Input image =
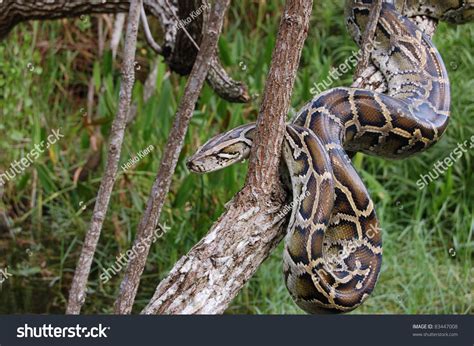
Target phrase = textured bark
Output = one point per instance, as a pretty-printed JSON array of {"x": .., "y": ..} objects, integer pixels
[
  {"x": 13, "y": 12},
  {"x": 224, "y": 86},
  {"x": 178, "y": 50},
  {"x": 207, "y": 279},
  {"x": 77, "y": 293},
  {"x": 161, "y": 186}
]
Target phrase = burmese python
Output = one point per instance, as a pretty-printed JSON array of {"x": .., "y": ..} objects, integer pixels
[{"x": 333, "y": 249}]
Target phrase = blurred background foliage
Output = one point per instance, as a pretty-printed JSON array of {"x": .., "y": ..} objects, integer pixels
[{"x": 45, "y": 70}]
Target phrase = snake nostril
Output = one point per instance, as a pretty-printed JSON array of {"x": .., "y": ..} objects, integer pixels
[{"x": 190, "y": 165}]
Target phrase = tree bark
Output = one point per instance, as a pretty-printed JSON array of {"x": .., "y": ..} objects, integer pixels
[
  {"x": 207, "y": 279},
  {"x": 168, "y": 12},
  {"x": 161, "y": 186},
  {"x": 77, "y": 293}
]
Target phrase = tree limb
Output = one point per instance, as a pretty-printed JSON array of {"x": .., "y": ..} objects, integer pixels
[
  {"x": 77, "y": 293},
  {"x": 212, "y": 273},
  {"x": 149, "y": 37},
  {"x": 187, "y": 39},
  {"x": 149, "y": 221},
  {"x": 117, "y": 33},
  {"x": 168, "y": 12},
  {"x": 223, "y": 84}
]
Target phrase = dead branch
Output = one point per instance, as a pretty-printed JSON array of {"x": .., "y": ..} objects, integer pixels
[
  {"x": 117, "y": 33},
  {"x": 170, "y": 13},
  {"x": 149, "y": 221},
  {"x": 224, "y": 85},
  {"x": 77, "y": 293},
  {"x": 149, "y": 37},
  {"x": 212, "y": 273}
]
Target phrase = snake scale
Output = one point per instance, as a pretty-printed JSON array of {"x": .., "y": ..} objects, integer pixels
[{"x": 333, "y": 245}]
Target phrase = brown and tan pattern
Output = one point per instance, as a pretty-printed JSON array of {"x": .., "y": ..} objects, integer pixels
[
  {"x": 452, "y": 11},
  {"x": 333, "y": 251}
]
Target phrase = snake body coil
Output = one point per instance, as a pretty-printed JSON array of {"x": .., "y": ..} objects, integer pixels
[{"x": 333, "y": 251}]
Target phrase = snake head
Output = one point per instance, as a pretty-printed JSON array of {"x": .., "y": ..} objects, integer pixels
[{"x": 223, "y": 150}]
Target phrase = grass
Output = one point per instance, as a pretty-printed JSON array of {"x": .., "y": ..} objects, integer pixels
[{"x": 427, "y": 234}]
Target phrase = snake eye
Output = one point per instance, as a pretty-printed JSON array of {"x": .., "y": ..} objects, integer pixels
[{"x": 228, "y": 156}]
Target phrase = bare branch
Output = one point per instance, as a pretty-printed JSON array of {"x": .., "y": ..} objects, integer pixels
[
  {"x": 149, "y": 221},
  {"x": 188, "y": 39},
  {"x": 224, "y": 86},
  {"x": 175, "y": 47},
  {"x": 77, "y": 293},
  {"x": 207, "y": 279},
  {"x": 117, "y": 33},
  {"x": 149, "y": 37}
]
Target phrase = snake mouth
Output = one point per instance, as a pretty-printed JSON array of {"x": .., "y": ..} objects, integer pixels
[
  {"x": 195, "y": 165},
  {"x": 192, "y": 166}
]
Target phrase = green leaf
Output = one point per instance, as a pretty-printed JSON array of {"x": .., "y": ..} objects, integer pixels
[
  {"x": 224, "y": 52},
  {"x": 184, "y": 192}
]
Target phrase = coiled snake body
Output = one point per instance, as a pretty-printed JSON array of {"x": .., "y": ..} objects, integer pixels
[{"x": 333, "y": 251}]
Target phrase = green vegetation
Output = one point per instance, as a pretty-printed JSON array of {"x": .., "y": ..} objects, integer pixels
[{"x": 45, "y": 70}]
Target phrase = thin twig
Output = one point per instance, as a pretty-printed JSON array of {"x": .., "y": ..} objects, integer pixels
[
  {"x": 77, "y": 293},
  {"x": 149, "y": 37},
  {"x": 161, "y": 186},
  {"x": 117, "y": 33}
]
